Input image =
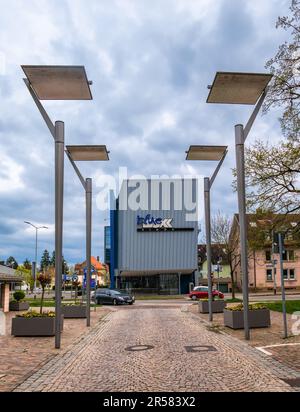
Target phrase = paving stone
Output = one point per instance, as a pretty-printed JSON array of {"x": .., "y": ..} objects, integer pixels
[{"x": 100, "y": 362}]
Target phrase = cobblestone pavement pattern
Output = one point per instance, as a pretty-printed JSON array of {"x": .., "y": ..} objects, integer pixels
[{"x": 100, "y": 361}]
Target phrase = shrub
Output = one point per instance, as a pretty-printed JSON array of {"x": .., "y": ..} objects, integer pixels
[
  {"x": 251, "y": 306},
  {"x": 37, "y": 315},
  {"x": 19, "y": 295}
]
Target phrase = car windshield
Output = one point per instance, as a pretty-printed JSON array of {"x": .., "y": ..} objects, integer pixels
[{"x": 116, "y": 292}]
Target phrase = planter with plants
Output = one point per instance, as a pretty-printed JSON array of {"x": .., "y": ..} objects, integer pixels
[
  {"x": 74, "y": 310},
  {"x": 218, "y": 305},
  {"x": 34, "y": 323},
  {"x": 259, "y": 316},
  {"x": 18, "y": 304}
]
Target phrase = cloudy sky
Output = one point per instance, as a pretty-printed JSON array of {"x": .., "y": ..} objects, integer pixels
[{"x": 150, "y": 62}]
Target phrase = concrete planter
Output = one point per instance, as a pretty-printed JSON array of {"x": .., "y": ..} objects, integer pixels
[
  {"x": 217, "y": 306},
  {"x": 18, "y": 306},
  {"x": 76, "y": 311},
  {"x": 257, "y": 318},
  {"x": 34, "y": 326}
]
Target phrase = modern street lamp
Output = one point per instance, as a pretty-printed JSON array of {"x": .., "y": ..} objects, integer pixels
[
  {"x": 87, "y": 153},
  {"x": 208, "y": 153},
  {"x": 248, "y": 89},
  {"x": 57, "y": 83},
  {"x": 36, "y": 248}
]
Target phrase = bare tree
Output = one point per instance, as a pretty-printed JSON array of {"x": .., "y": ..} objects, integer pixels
[
  {"x": 221, "y": 234},
  {"x": 272, "y": 174}
]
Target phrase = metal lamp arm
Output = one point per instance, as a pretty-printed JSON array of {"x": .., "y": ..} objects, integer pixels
[
  {"x": 212, "y": 179},
  {"x": 76, "y": 169},
  {"x": 255, "y": 113},
  {"x": 39, "y": 105}
]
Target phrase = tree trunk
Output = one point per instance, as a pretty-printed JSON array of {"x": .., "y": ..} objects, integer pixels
[
  {"x": 232, "y": 285},
  {"x": 42, "y": 300}
]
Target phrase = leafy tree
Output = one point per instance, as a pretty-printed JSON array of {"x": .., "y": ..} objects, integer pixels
[
  {"x": 284, "y": 89},
  {"x": 52, "y": 260},
  {"x": 45, "y": 260},
  {"x": 11, "y": 262},
  {"x": 272, "y": 174},
  {"x": 27, "y": 264},
  {"x": 27, "y": 276},
  {"x": 65, "y": 267},
  {"x": 45, "y": 280},
  {"x": 75, "y": 284},
  {"x": 272, "y": 171}
]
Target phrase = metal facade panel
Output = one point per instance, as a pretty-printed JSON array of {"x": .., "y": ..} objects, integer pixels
[{"x": 161, "y": 250}]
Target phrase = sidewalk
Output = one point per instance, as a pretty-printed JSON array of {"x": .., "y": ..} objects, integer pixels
[
  {"x": 288, "y": 355},
  {"x": 22, "y": 356}
]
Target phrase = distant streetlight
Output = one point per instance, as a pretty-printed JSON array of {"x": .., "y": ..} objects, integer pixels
[
  {"x": 36, "y": 248},
  {"x": 87, "y": 153},
  {"x": 208, "y": 153},
  {"x": 249, "y": 89},
  {"x": 57, "y": 83}
]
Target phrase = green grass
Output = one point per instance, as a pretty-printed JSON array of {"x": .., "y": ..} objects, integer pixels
[
  {"x": 158, "y": 297},
  {"x": 291, "y": 306},
  {"x": 235, "y": 300}
]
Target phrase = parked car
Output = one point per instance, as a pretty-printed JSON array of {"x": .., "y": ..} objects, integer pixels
[
  {"x": 201, "y": 292},
  {"x": 112, "y": 296}
]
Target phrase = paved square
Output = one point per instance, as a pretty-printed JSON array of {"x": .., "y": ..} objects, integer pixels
[{"x": 100, "y": 361}]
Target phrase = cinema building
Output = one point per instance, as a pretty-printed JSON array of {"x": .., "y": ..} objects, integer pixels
[{"x": 153, "y": 236}]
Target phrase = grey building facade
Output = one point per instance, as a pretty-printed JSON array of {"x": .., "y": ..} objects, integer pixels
[{"x": 154, "y": 233}]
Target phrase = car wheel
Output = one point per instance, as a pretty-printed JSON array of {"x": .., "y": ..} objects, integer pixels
[
  {"x": 98, "y": 302},
  {"x": 194, "y": 297},
  {"x": 131, "y": 303},
  {"x": 115, "y": 302}
]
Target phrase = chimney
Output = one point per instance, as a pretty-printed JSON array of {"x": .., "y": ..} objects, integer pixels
[{"x": 98, "y": 258}]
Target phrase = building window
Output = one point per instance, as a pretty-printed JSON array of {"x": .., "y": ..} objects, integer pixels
[
  {"x": 288, "y": 255},
  {"x": 268, "y": 255},
  {"x": 269, "y": 275},
  {"x": 289, "y": 274},
  {"x": 291, "y": 255}
]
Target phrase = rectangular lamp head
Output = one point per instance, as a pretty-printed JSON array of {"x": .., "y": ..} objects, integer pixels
[
  {"x": 88, "y": 153},
  {"x": 206, "y": 152},
  {"x": 238, "y": 88},
  {"x": 58, "y": 82}
]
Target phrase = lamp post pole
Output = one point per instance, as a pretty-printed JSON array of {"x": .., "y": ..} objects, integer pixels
[
  {"x": 59, "y": 192},
  {"x": 88, "y": 197},
  {"x": 34, "y": 263},
  {"x": 282, "y": 285},
  {"x": 216, "y": 153},
  {"x": 208, "y": 243},
  {"x": 87, "y": 153},
  {"x": 35, "y": 257},
  {"x": 240, "y": 171}
]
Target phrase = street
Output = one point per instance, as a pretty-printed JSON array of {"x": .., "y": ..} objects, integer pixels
[{"x": 162, "y": 348}]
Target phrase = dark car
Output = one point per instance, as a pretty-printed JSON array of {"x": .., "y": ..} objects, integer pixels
[{"x": 113, "y": 297}]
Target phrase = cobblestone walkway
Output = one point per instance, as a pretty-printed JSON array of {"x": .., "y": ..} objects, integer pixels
[{"x": 100, "y": 361}]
